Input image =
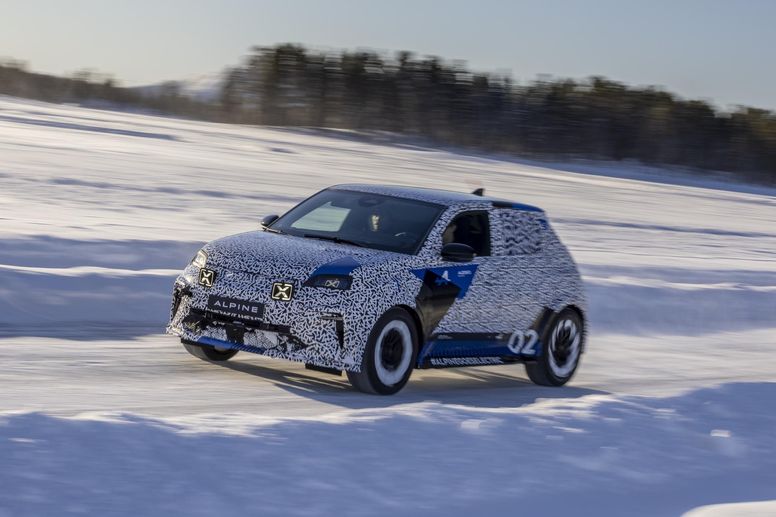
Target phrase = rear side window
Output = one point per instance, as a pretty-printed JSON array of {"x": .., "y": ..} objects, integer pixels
[{"x": 522, "y": 231}]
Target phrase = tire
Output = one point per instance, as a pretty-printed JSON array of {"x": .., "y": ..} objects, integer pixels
[
  {"x": 389, "y": 356},
  {"x": 209, "y": 353},
  {"x": 561, "y": 350}
]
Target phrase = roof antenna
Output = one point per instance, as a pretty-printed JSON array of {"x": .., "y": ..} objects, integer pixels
[{"x": 479, "y": 192}]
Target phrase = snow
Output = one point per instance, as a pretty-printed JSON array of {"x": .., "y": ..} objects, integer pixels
[
  {"x": 602, "y": 454},
  {"x": 753, "y": 509},
  {"x": 672, "y": 410}
]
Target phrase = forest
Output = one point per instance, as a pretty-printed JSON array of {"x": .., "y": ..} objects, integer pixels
[{"x": 446, "y": 103}]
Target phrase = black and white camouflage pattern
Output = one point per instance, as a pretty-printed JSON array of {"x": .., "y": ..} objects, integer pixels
[{"x": 529, "y": 270}]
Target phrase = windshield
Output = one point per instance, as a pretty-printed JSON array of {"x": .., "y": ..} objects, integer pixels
[{"x": 362, "y": 219}]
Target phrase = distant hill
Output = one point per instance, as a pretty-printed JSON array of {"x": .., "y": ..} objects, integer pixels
[
  {"x": 202, "y": 88},
  {"x": 192, "y": 98}
]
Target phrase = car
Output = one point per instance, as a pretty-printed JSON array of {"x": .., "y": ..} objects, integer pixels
[{"x": 378, "y": 280}]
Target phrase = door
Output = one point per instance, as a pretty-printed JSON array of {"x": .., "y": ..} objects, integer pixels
[{"x": 467, "y": 306}]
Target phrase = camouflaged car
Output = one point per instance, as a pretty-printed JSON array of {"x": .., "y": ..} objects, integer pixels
[{"x": 379, "y": 280}]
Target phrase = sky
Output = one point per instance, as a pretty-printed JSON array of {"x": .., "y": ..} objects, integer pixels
[{"x": 721, "y": 51}]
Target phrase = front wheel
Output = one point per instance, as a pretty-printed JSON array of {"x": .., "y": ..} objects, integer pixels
[
  {"x": 209, "y": 353},
  {"x": 562, "y": 346},
  {"x": 390, "y": 355}
]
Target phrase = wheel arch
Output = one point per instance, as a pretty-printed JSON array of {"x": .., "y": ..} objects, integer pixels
[
  {"x": 579, "y": 312},
  {"x": 548, "y": 314},
  {"x": 367, "y": 378},
  {"x": 418, "y": 324},
  {"x": 582, "y": 318}
]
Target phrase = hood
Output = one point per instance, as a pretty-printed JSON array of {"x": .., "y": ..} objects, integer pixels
[{"x": 252, "y": 251}]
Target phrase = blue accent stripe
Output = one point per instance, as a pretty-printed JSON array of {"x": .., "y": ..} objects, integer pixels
[
  {"x": 461, "y": 348},
  {"x": 460, "y": 276},
  {"x": 209, "y": 341},
  {"x": 342, "y": 266},
  {"x": 493, "y": 347},
  {"x": 527, "y": 208}
]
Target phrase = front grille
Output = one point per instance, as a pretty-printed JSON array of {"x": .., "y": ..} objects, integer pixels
[
  {"x": 205, "y": 317},
  {"x": 198, "y": 320}
]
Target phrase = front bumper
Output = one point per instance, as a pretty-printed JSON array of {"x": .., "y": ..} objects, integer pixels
[{"x": 316, "y": 338}]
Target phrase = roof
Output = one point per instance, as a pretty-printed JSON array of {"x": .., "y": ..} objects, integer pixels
[{"x": 431, "y": 195}]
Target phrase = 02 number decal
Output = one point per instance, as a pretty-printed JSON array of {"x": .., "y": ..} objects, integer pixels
[{"x": 523, "y": 342}]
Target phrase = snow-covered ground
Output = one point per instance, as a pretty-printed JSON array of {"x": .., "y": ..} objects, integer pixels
[{"x": 674, "y": 406}]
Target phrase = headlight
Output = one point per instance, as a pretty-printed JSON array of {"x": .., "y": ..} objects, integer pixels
[
  {"x": 200, "y": 259},
  {"x": 341, "y": 282}
]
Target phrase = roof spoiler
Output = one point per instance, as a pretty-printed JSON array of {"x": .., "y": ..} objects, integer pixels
[{"x": 479, "y": 192}]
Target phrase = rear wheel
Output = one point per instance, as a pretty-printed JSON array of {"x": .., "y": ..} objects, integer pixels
[
  {"x": 209, "y": 353},
  {"x": 561, "y": 350},
  {"x": 390, "y": 355}
]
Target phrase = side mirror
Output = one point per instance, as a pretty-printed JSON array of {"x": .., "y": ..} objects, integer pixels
[
  {"x": 457, "y": 252},
  {"x": 268, "y": 220}
]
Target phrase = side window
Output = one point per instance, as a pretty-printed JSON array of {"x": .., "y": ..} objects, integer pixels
[
  {"x": 522, "y": 231},
  {"x": 471, "y": 228}
]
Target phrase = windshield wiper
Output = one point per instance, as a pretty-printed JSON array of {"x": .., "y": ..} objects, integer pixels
[
  {"x": 272, "y": 230},
  {"x": 338, "y": 240}
]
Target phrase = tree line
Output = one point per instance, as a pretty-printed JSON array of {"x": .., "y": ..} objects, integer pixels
[{"x": 596, "y": 118}]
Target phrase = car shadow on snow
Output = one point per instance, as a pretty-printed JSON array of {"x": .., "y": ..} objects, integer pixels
[{"x": 493, "y": 386}]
